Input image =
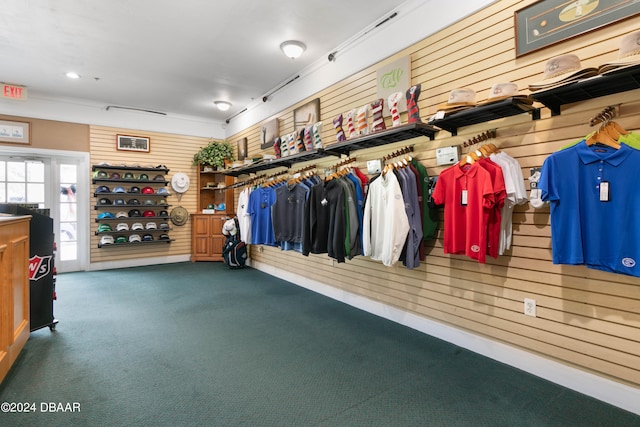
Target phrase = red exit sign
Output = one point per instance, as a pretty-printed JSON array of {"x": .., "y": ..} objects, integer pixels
[{"x": 14, "y": 92}]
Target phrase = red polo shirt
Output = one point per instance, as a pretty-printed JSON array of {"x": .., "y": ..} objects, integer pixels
[
  {"x": 465, "y": 226},
  {"x": 495, "y": 216}
]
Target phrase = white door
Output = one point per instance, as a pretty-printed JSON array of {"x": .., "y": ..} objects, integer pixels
[{"x": 53, "y": 182}]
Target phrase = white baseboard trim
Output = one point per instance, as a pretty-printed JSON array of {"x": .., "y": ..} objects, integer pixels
[
  {"x": 138, "y": 262},
  {"x": 606, "y": 390}
]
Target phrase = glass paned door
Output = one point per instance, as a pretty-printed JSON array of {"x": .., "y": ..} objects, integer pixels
[{"x": 68, "y": 208}]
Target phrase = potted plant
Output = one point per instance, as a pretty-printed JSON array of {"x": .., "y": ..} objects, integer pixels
[{"x": 214, "y": 154}]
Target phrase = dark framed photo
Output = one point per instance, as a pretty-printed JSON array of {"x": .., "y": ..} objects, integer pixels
[
  {"x": 547, "y": 22},
  {"x": 133, "y": 143}
]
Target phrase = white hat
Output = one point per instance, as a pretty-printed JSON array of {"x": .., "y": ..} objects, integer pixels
[
  {"x": 180, "y": 182},
  {"x": 628, "y": 54},
  {"x": 501, "y": 91},
  {"x": 561, "y": 70},
  {"x": 229, "y": 228},
  {"x": 459, "y": 99}
]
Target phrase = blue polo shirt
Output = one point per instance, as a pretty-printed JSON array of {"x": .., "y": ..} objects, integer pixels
[{"x": 604, "y": 235}]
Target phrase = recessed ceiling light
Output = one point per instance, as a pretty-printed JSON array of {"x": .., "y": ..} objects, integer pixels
[
  {"x": 223, "y": 105},
  {"x": 73, "y": 75},
  {"x": 293, "y": 48}
]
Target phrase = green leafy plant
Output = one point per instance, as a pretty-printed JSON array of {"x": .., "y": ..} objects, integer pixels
[{"x": 214, "y": 154}]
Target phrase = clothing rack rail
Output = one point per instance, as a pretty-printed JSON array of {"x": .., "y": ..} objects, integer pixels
[
  {"x": 398, "y": 153},
  {"x": 481, "y": 137},
  {"x": 342, "y": 163},
  {"x": 605, "y": 116}
]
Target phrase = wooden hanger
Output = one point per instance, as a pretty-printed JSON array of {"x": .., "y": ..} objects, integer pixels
[{"x": 600, "y": 137}]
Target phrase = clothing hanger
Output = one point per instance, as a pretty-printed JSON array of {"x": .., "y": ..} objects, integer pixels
[{"x": 600, "y": 137}]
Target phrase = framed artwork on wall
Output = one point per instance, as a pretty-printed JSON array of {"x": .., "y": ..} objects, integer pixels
[
  {"x": 547, "y": 22},
  {"x": 306, "y": 115},
  {"x": 17, "y": 132},
  {"x": 133, "y": 143},
  {"x": 268, "y": 132},
  {"x": 242, "y": 148}
]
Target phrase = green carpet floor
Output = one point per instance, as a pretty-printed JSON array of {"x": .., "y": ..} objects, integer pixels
[{"x": 196, "y": 344}]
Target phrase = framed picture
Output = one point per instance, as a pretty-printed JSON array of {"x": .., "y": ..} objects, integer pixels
[
  {"x": 17, "y": 132},
  {"x": 548, "y": 22},
  {"x": 268, "y": 132},
  {"x": 242, "y": 148},
  {"x": 306, "y": 115},
  {"x": 133, "y": 143}
]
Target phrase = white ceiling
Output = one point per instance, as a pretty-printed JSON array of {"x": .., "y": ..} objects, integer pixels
[{"x": 169, "y": 56}]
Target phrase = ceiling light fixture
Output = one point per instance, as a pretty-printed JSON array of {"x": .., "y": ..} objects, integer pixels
[
  {"x": 293, "y": 48},
  {"x": 223, "y": 105},
  {"x": 73, "y": 75}
]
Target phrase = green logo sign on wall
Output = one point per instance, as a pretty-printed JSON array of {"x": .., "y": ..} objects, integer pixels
[{"x": 391, "y": 79}]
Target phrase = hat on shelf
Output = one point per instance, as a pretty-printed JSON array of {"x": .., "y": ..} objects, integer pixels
[
  {"x": 562, "y": 70},
  {"x": 628, "y": 54},
  {"x": 459, "y": 99},
  {"x": 505, "y": 90}
]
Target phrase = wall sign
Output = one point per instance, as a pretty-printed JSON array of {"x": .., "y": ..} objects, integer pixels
[
  {"x": 548, "y": 22},
  {"x": 133, "y": 143},
  {"x": 17, "y": 132},
  {"x": 391, "y": 78}
]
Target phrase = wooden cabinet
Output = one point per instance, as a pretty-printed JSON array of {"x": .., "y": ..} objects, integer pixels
[
  {"x": 14, "y": 289},
  {"x": 207, "y": 239}
]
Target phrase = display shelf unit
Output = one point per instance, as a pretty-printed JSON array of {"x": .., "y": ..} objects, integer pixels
[
  {"x": 388, "y": 136},
  {"x": 593, "y": 87},
  {"x": 159, "y": 210},
  {"x": 211, "y": 190},
  {"x": 285, "y": 162},
  {"x": 484, "y": 113}
]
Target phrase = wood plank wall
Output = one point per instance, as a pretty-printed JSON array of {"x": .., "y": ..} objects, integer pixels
[
  {"x": 587, "y": 319},
  {"x": 174, "y": 151}
]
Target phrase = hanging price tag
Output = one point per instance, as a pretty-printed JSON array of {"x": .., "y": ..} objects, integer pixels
[
  {"x": 463, "y": 198},
  {"x": 604, "y": 191}
]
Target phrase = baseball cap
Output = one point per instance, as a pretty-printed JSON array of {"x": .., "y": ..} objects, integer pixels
[
  {"x": 135, "y": 238},
  {"x": 163, "y": 191},
  {"x": 103, "y": 189},
  {"x": 143, "y": 177},
  {"x": 114, "y": 175},
  {"x": 104, "y": 228},
  {"x": 121, "y": 214},
  {"x": 121, "y": 239},
  {"x": 149, "y": 202},
  {"x": 149, "y": 213},
  {"x": 118, "y": 202},
  {"x": 100, "y": 174},
  {"x": 118, "y": 189},
  {"x": 133, "y": 202},
  {"x": 147, "y": 238},
  {"x": 164, "y": 237},
  {"x": 163, "y": 226},
  {"x": 106, "y": 240},
  {"x": 104, "y": 201},
  {"x": 147, "y": 190},
  {"x": 106, "y": 215},
  {"x": 163, "y": 213},
  {"x": 151, "y": 226},
  {"x": 134, "y": 213},
  {"x": 128, "y": 175},
  {"x": 158, "y": 178},
  {"x": 123, "y": 226},
  {"x": 134, "y": 189},
  {"x": 137, "y": 226}
]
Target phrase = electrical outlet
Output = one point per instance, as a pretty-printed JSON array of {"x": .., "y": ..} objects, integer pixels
[
  {"x": 530, "y": 307},
  {"x": 260, "y": 249}
]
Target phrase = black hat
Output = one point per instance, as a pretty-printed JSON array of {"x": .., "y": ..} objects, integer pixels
[
  {"x": 104, "y": 201},
  {"x": 134, "y": 189},
  {"x": 134, "y": 213},
  {"x": 103, "y": 189}
]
